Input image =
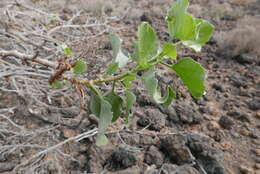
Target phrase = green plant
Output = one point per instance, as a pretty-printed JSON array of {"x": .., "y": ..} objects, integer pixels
[{"x": 109, "y": 105}]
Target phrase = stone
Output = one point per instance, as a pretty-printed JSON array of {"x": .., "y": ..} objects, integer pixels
[
  {"x": 174, "y": 146},
  {"x": 226, "y": 122},
  {"x": 146, "y": 18},
  {"x": 172, "y": 115},
  {"x": 154, "y": 118},
  {"x": 7, "y": 166},
  {"x": 243, "y": 117},
  {"x": 257, "y": 165},
  {"x": 218, "y": 87},
  {"x": 213, "y": 125},
  {"x": 208, "y": 157},
  {"x": 254, "y": 104},
  {"x": 257, "y": 115},
  {"x": 246, "y": 58},
  {"x": 256, "y": 152},
  {"x": 187, "y": 114},
  {"x": 68, "y": 133},
  {"x": 122, "y": 159},
  {"x": 246, "y": 170},
  {"x": 154, "y": 156}
]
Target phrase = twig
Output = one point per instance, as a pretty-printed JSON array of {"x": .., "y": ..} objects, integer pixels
[
  {"x": 44, "y": 152},
  {"x": 32, "y": 58}
]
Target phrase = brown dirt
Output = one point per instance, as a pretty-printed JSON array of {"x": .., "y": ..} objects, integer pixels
[{"x": 216, "y": 134}]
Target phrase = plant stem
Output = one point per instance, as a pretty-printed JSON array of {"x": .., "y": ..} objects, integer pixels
[{"x": 166, "y": 64}]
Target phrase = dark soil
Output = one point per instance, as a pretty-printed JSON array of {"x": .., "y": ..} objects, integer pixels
[{"x": 217, "y": 134}]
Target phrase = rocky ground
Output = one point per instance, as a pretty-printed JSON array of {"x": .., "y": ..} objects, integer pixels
[{"x": 216, "y": 134}]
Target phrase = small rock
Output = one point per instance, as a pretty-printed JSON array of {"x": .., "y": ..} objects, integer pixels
[
  {"x": 245, "y": 132},
  {"x": 122, "y": 159},
  {"x": 107, "y": 45},
  {"x": 246, "y": 58},
  {"x": 246, "y": 170},
  {"x": 256, "y": 151},
  {"x": 204, "y": 109},
  {"x": 133, "y": 139},
  {"x": 187, "y": 114},
  {"x": 244, "y": 117},
  {"x": 145, "y": 17},
  {"x": 254, "y": 104},
  {"x": 148, "y": 139},
  {"x": 238, "y": 81},
  {"x": 210, "y": 158},
  {"x": 69, "y": 133},
  {"x": 226, "y": 122},
  {"x": 218, "y": 87},
  {"x": 172, "y": 115},
  {"x": 154, "y": 156},
  {"x": 143, "y": 121},
  {"x": 175, "y": 147},
  {"x": 257, "y": 165},
  {"x": 154, "y": 117},
  {"x": 257, "y": 115},
  {"x": 257, "y": 159},
  {"x": 7, "y": 166},
  {"x": 213, "y": 125}
]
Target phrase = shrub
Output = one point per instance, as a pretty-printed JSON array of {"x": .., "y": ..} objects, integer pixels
[{"x": 108, "y": 106}]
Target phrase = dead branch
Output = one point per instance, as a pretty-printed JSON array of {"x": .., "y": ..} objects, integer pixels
[
  {"x": 14, "y": 53},
  {"x": 55, "y": 147}
]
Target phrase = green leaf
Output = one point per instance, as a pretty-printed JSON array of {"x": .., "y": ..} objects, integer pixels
[
  {"x": 101, "y": 139},
  {"x": 121, "y": 59},
  {"x": 147, "y": 43},
  {"x": 80, "y": 67},
  {"x": 167, "y": 98},
  {"x": 169, "y": 50},
  {"x": 117, "y": 52},
  {"x": 151, "y": 85},
  {"x": 204, "y": 31},
  {"x": 181, "y": 25},
  {"x": 116, "y": 44},
  {"x": 150, "y": 82},
  {"x": 135, "y": 55},
  {"x": 130, "y": 100},
  {"x": 192, "y": 74},
  {"x": 104, "y": 121},
  {"x": 56, "y": 84},
  {"x": 127, "y": 81},
  {"x": 116, "y": 101},
  {"x": 112, "y": 68},
  {"x": 66, "y": 49},
  {"x": 95, "y": 103}
]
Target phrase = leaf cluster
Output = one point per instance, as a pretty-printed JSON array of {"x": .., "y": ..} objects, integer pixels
[{"x": 148, "y": 52}]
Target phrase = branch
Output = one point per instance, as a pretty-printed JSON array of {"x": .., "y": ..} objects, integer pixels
[
  {"x": 14, "y": 53},
  {"x": 55, "y": 147}
]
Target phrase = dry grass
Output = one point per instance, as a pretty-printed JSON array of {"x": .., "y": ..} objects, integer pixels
[{"x": 242, "y": 39}]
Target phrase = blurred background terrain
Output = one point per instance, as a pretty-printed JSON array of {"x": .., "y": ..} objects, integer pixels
[{"x": 42, "y": 132}]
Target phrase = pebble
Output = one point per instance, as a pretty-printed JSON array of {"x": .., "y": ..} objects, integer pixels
[
  {"x": 213, "y": 125},
  {"x": 256, "y": 151},
  {"x": 226, "y": 122},
  {"x": 257, "y": 165},
  {"x": 257, "y": 115},
  {"x": 246, "y": 170}
]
